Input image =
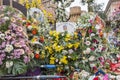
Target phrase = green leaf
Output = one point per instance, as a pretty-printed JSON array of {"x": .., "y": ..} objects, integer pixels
[{"x": 19, "y": 68}]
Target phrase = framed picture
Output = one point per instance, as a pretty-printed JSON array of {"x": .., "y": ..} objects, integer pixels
[{"x": 66, "y": 26}]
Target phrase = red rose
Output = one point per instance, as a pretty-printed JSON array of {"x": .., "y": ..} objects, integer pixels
[
  {"x": 37, "y": 56},
  {"x": 34, "y": 31},
  {"x": 96, "y": 78},
  {"x": 92, "y": 48}
]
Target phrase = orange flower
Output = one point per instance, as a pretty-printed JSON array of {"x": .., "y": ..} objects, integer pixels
[
  {"x": 27, "y": 24},
  {"x": 34, "y": 31},
  {"x": 41, "y": 39},
  {"x": 37, "y": 56},
  {"x": 101, "y": 34}
]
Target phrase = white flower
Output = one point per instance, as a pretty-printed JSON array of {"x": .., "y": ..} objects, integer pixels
[
  {"x": 92, "y": 35},
  {"x": 97, "y": 27},
  {"x": 88, "y": 50},
  {"x": 87, "y": 43},
  {"x": 17, "y": 45},
  {"x": 94, "y": 44},
  {"x": 91, "y": 58},
  {"x": 118, "y": 77},
  {"x": 100, "y": 47},
  {"x": 70, "y": 51},
  {"x": 20, "y": 29},
  {"x": 6, "y": 18},
  {"x": 112, "y": 76},
  {"x": 59, "y": 62},
  {"x": 2, "y": 36},
  {"x": 64, "y": 52},
  {"x": 92, "y": 65},
  {"x": 69, "y": 56},
  {"x": 84, "y": 74},
  {"x": 22, "y": 51},
  {"x": 9, "y": 64},
  {"x": 8, "y": 48},
  {"x": 56, "y": 60},
  {"x": 29, "y": 27},
  {"x": 98, "y": 50}
]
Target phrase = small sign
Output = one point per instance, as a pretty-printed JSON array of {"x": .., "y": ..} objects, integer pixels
[{"x": 70, "y": 27}]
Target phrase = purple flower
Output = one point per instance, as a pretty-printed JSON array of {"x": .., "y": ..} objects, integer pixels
[
  {"x": 8, "y": 37},
  {"x": 2, "y": 57},
  {"x": 17, "y": 53},
  {"x": 26, "y": 59},
  {"x": 91, "y": 21},
  {"x": 3, "y": 45}
]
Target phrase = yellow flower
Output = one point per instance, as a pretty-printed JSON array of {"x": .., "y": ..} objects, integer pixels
[
  {"x": 64, "y": 60},
  {"x": 69, "y": 45},
  {"x": 38, "y": 2},
  {"x": 59, "y": 48},
  {"x": 75, "y": 35},
  {"x": 55, "y": 33},
  {"x": 57, "y": 38},
  {"x": 21, "y": 1},
  {"x": 76, "y": 44},
  {"x": 54, "y": 45},
  {"x": 52, "y": 60},
  {"x": 34, "y": 39},
  {"x": 67, "y": 39},
  {"x": 27, "y": 5},
  {"x": 49, "y": 49},
  {"x": 45, "y": 12},
  {"x": 68, "y": 35},
  {"x": 51, "y": 33},
  {"x": 43, "y": 54}
]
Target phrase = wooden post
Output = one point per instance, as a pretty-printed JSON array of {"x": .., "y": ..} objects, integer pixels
[
  {"x": 11, "y": 3},
  {"x": 1, "y": 2}
]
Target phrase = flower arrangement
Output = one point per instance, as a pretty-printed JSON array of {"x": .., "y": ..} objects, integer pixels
[
  {"x": 94, "y": 44},
  {"x": 15, "y": 53},
  {"x": 62, "y": 49},
  {"x": 85, "y": 20}
]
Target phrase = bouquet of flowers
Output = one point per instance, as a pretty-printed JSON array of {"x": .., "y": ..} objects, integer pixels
[
  {"x": 94, "y": 44},
  {"x": 62, "y": 49},
  {"x": 15, "y": 53}
]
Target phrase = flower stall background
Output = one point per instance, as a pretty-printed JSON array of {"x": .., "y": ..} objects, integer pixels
[{"x": 29, "y": 42}]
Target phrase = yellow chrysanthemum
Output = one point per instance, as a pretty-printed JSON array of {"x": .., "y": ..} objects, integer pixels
[
  {"x": 55, "y": 33},
  {"x": 44, "y": 12},
  {"x": 49, "y": 49},
  {"x": 64, "y": 60},
  {"x": 54, "y": 45},
  {"x": 68, "y": 35},
  {"x": 76, "y": 45},
  {"x": 69, "y": 45},
  {"x": 43, "y": 54},
  {"x": 57, "y": 38},
  {"x": 67, "y": 39},
  {"x": 27, "y": 5},
  {"x": 59, "y": 48},
  {"x": 52, "y": 60},
  {"x": 51, "y": 33}
]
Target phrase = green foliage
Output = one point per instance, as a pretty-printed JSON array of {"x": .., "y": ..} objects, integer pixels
[{"x": 18, "y": 68}]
